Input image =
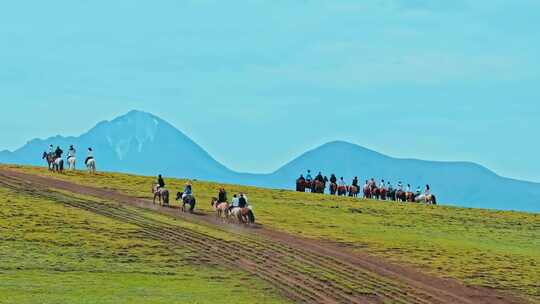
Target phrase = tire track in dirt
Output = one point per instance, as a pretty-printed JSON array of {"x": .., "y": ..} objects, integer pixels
[{"x": 303, "y": 270}]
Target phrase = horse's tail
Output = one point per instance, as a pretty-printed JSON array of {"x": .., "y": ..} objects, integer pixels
[
  {"x": 251, "y": 217},
  {"x": 434, "y": 199}
]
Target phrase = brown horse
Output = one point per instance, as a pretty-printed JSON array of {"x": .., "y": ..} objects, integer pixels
[
  {"x": 353, "y": 191},
  {"x": 161, "y": 194},
  {"x": 375, "y": 193},
  {"x": 333, "y": 188},
  {"x": 49, "y": 158},
  {"x": 367, "y": 192},
  {"x": 401, "y": 196},
  {"x": 410, "y": 197},
  {"x": 220, "y": 208},
  {"x": 318, "y": 187},
  {"x": 382, "y": 193},
  {"x": 301, "y": 185},
  {"x": 342, "y": 190}
]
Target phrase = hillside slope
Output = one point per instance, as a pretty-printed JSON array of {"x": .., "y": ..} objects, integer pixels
[{"x": 474, "y": 246}]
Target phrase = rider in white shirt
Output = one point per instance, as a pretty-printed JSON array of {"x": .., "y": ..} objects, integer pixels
[
  {"x": 382, "y": 185},
  {"x": 408, "y": 188},
  {"x": 342, "y": 182},
  {"x": 427, "y": 190},
  {"x": 71, "y": 152}
]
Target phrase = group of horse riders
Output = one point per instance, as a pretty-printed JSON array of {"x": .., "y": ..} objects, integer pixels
[
  {"x": 383, "y": 190},
  {"x": 160, "y": 192},
  {"x": 239, "y": 209},
  {"x": 56, "y": 163}
]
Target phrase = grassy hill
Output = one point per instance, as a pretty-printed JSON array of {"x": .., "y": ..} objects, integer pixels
[{"x": 493, "y": 249}]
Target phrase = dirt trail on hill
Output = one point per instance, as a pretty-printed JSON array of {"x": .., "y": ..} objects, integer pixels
[{"x": 306, "y": 271}]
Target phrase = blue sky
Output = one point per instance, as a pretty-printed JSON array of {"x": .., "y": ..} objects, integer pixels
[{"x": 258, "y": 82}]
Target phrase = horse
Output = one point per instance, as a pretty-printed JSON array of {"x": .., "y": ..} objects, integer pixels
[
  {"x": 58, "y": 165},
  {"x": 220, "y": 208},
  {"x": 429, "y": 199},
  {"x": 410, "y": 197},
  {"x": 186, "y": 200},
  {"x": 401, "y": 196},
  {"x": 342, "y": 190},
  {"x": 91, "y": 165},
  {"x": 162, "y": 194},
  {"x": 318, "y": 187},
  {"x": 376, "y": 193},
  {"x": 382, "y": 193},
  {"x": 391, "y": 195},
  {"x": 309, "y": 186},
  {"x": 243, "y": 215},
  {"x": 71, "y": 162},
  {"x": 367, "y": 191},
  {"x": 301, "y": 185},
  {"x": 49, "y": 158},
  {"x": 333, "y": 188},
  {"x": 353, "y": 191}
]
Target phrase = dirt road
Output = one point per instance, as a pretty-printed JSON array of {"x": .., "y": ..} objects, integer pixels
[{"x": 306, "y": 271}]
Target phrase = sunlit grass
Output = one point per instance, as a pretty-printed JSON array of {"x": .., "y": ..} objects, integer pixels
[
  {"x": 497, "y": 249},
  {"x": 52, "y": 253}
]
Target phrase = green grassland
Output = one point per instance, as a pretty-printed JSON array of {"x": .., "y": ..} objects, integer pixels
[
  {"x": 495, "y": 249},
  {"x": 52, "y": 253}
]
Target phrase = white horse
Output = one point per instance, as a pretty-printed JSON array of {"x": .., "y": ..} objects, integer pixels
[
  {"x": 58, "y": 165},
  {"x": 91, "y": 165},
  {"x": 72, "y": 162}
]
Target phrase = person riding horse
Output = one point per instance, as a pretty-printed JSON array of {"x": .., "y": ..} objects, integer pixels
[
  {"x": 355, "y": 182},
  {"x": 308, "y": 176},
  {"x": 89, "y": 156},
  {"x": 160, "y": 182},
  {"x": 71, "y": 152},
  {"x": 222, "y": 196},
  {"x": 58, "y": 152},
  {"x": 301, "y": 184}
]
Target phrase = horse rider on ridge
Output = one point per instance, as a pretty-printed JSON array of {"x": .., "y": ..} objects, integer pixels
[
  {"x": 58, "y": 152},
  {"x": 333, "y": 179},
  {"x": 89, "y": 156},
  {"x": 71, "y": 152},
  {"x": 355, "y": 182},
  {"x": 308, "y": 176},
  {"x": 342, "y": 182},
  {"x": 319, "y": 177}
]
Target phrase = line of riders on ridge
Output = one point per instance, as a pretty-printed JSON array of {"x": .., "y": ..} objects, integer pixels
[
  {"x": 238, "y": 211},
  {"x": 384, "y": 191},
  {"x": 56, "y": 162}
]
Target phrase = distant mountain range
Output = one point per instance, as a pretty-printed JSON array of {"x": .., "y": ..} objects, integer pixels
[{"x": 142, "y": 143}]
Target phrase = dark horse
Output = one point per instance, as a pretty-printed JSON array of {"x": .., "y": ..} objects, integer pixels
[
  {"x": 353, "y": 191},
  {"x": 318, "y": 187},
  {"x": 367, "y": 192},
  {"x": 301, "y": 185},
  {"x": 187, "y": 200},
  {"x": 401, "y": 196},
  {"x": 333, "y": 188},
  {"x": 342, "y": 190},
  {"x": 56, "y": 164},
  {"x": 391, "y": 195}
]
